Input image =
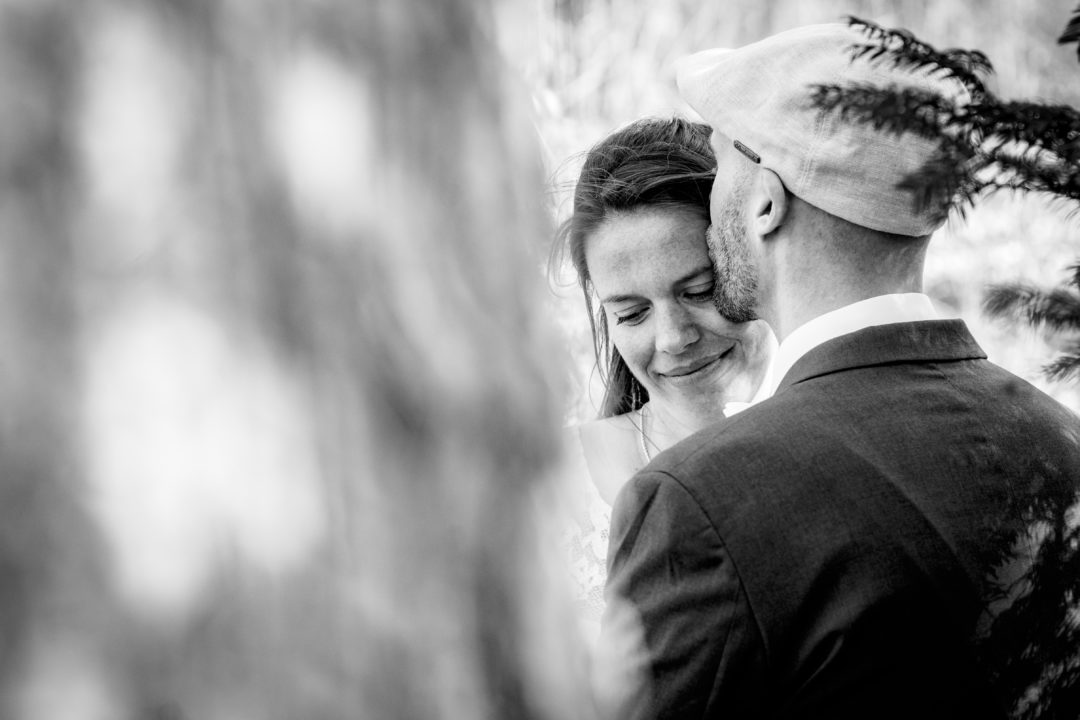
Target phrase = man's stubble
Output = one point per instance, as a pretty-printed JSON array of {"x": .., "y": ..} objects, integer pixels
[{"x": 736, "y": 286}]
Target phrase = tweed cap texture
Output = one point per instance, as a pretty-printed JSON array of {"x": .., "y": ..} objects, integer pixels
[{"x": 759, "y": 96}]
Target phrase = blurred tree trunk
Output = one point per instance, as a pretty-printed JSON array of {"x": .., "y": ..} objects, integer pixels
[{"x": 275, "y": 421}]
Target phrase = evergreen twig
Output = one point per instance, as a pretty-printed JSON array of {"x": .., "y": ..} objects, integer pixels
[
  {"x": 985, "y": 144},
  {"x": 1072, "y": 32},
  {"x": 903, "y": 49}
]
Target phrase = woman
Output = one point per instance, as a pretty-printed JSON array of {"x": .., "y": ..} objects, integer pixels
[{"x": 669, "y": 361}]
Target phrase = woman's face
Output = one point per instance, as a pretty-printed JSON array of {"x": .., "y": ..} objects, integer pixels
[{"x": 650, "y": 267}]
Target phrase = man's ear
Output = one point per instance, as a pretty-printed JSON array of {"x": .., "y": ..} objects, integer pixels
[{"x": 770, "y": 207}]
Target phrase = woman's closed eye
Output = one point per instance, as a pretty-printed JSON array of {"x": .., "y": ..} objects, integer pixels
[
  {"x": 630, "y": 316},
  {"x": 699, "y": 293}
]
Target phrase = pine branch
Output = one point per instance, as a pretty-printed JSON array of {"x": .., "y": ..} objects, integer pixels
[
  {"x": 1053, "y": 127},
  {"x": 1063, "y": 367},
  {"x": 1029, "y": 170},
  {"x": 985, "y": 145},
  {"x": 903, "y": 50},
  {"x": 942, "y": 183},
  {"x": 1072, "y": 32},
  {"x": 892, "y": 109},
  {"x": 1056, "y": 310}
]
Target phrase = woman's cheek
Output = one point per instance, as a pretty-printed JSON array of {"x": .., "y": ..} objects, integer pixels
[{"x": 632, "y": 344}]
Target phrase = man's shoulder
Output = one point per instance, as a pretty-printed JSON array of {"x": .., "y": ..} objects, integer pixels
[
  {"x": 758, "y": 441},
  {"x": 1020, "y": 400}
]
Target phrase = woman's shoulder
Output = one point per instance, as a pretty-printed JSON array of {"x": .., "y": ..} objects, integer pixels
[
  {"x": 616, "y": 425},
  {"x": 612, "y": 450}
]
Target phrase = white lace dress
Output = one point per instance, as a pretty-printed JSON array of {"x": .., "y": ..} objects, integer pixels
[{"x": 586, "y": 542}]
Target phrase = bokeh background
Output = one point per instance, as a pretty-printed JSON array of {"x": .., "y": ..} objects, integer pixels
[
  {"x": 598, "y": 64},
  {"x": 274, "y": 429},
  {"x": 279, "y": 389}
]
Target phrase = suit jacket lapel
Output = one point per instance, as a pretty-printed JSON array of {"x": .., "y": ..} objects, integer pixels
[{"x": 926, "y": 341}]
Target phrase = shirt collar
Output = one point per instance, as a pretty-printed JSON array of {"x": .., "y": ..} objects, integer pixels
[
  {"x": 881, "y": 310},
  {"x": 765, "y": 389}
]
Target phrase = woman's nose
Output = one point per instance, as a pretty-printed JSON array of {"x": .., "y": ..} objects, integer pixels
[{"x": 675, "y": 331}]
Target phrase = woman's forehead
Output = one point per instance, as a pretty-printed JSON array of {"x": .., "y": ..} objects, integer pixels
[{"x": 652, "y": 244}]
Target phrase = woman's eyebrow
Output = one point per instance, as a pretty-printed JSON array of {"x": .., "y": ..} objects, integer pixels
[
  {"x": 694, "y": 273},
  {"x": 623, "y": 297},
  {"x": 618, "y": 298}
]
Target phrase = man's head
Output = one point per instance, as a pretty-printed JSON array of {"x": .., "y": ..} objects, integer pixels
[{"x": 780, "y": 159}]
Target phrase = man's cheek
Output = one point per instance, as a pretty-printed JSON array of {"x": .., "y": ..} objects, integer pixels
[{"x": 710, "y": 241}]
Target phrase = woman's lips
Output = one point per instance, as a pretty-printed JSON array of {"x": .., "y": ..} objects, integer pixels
[{"x": 689, "y": 372}]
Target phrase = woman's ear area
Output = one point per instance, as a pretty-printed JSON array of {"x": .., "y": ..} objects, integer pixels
[{"x": 770, "y": 206}]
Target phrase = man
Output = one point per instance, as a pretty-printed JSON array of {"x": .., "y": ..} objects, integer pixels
[{"x": 854, "y": 546}]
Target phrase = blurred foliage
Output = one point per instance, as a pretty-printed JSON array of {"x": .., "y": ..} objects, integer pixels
[
  {"x": 1055, "y": 311},
  {"x": 276, "y": 421},
  {"x": 598, "y": 64},
  {"x": 1029, "y": 635},
  {"x": 1072, "y": 32}
]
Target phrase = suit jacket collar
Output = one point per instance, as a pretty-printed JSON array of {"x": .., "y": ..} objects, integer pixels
[{"x": 924, "y": 341}]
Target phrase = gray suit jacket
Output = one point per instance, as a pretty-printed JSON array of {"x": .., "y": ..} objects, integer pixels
[{"x": 855, "y": 546}]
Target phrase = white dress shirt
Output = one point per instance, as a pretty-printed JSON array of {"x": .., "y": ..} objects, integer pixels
[
  {"x": 765, "y": 390},
  {"x": 881, "y": 310}
]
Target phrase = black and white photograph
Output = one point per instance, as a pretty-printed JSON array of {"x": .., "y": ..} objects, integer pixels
[{"x": 540, "y": 359}]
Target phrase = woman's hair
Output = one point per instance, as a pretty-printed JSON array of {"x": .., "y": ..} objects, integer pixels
[{"x": 649, "y": 163}]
